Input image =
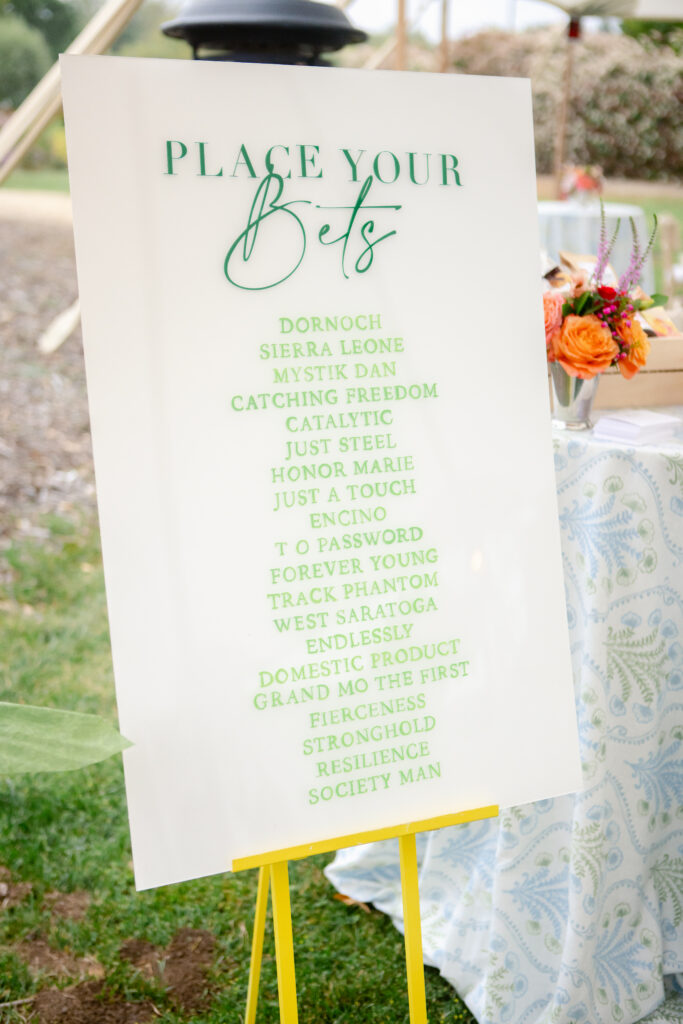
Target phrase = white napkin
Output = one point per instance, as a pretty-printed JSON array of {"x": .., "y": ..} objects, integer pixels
[{"x": 636, "y": 426}]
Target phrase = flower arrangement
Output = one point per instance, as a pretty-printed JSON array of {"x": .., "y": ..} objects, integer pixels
[
  {"x": 590, "y": 325},
  {"x": 585, "y": 182}
]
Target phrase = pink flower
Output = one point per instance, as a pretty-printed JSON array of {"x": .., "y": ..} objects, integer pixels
[{"x": 552, "y": 313}]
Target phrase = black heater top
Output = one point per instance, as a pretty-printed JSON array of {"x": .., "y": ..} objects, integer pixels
[{"x": 264, "y": 31}]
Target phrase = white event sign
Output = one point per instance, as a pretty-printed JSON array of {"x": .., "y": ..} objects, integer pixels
[{"x": 314, "y": 350}]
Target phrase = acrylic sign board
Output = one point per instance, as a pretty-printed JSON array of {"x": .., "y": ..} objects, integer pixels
[{"x": 326, "y": 493}]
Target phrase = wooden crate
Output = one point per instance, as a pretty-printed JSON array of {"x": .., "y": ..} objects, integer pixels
[{"x": 660, "y": 382}]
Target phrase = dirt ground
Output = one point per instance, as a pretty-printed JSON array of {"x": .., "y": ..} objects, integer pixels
[
  {"x": 45, "y": 455},
  {"x": 76, "y": 990},
  {"x": 180, "y": 968}
]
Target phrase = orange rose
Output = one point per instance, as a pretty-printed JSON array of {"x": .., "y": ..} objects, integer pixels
[
  {"x": 552, "y": 313},
  {"x": 633, "y": 335},
  {"x": 585, "y": 346}
]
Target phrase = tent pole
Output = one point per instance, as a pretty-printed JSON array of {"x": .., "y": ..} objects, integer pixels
[
  {"x": 443, "y": 48},
  {"x": 401, "y": 36},
  {"x": 573, "y": 33}
]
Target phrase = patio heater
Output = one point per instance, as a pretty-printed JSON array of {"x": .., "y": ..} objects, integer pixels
[{"x": 263, "y": 31}]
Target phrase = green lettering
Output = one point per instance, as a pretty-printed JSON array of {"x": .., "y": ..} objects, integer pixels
[
  {"x": 202, "y": 164},
  {"x": 397, "y": 167},
  {"x": 411, "y": 168},
  {"x": 170, "y": 157},
  {"x": 269, "y": 161},
  {"x": 306, "y": 159},
  {"x": 445, "y": 169},
  {"x": 243, "y": 161},
  {"x": 353, "y": 163}
]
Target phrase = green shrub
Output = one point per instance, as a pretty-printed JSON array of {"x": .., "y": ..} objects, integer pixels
[
  {"x": 49, "y": 149},
  {"x": 24, "y": 59},
  {"x": 58, "y": 21},
  {"x": 625, "y": 103}
]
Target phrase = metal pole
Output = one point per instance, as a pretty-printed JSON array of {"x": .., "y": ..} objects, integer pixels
[
  {"x": 284, "y": 943},
  {"x": 413, "y": 930}
]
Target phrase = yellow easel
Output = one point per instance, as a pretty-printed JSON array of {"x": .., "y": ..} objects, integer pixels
[{"x": 273, "y": 871}]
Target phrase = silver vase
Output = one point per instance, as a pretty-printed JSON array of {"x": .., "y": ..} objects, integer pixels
[{"x": 572, "y": 399}]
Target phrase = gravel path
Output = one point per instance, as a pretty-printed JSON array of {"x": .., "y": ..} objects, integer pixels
[
  {"x": 44, "y": 207},
  {"x": 45, "y": 454}
]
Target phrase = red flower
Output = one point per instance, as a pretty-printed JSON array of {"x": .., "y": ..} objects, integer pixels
[{"x": 607, "y": 293}]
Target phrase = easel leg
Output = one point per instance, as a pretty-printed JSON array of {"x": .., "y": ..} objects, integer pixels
[
  {"x": 284, "y": 944},
  {"x": 257, "y": 944},
  {"x": 413, "y": 930}
]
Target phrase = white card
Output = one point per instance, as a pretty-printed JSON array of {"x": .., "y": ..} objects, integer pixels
[
  {"x": 322, "y": 448},
  {"x": 636, "y": 426}
]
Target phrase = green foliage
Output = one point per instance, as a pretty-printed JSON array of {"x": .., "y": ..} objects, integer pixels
[
  {"x": 15, "y": 980},
  {"x": 49, "y": 149},
  {"x": 54, "y": 626},
  {"x": 49, "y": 740},
  {"x": 59, "y": 22},
  {"x": 45, "y": 179},
  {"x": 142, "y": 37},
  {"x": 155, "y": 44},
  {"x": 656, "y": 33},
  {"x": 630, "y": 122},
  {"x": 24, "y": 59},
  {"x": 32, "y": 35},
  {"x": 625, "y": 101}
]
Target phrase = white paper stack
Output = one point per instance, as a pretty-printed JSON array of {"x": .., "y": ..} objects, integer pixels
[{"x": 637, "y": 426}]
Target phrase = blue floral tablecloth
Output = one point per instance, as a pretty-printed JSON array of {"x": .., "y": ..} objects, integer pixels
[{"x": 570, "y": 911}]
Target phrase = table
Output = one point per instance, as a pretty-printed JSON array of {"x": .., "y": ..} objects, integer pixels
[
  {"x": 574, "y": 226},
  {"x": 570, "y": 911}
]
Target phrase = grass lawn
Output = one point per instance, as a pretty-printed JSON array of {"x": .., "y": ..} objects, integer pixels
[
  {"x": 68, "y": 834},
  {"x": 50, "y": 179},
  {"x": 665, "y": 204}
]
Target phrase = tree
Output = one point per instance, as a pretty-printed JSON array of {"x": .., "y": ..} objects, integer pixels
[
  {"x": 142, "y": 37},
  {"x": 57, "y": 21},
  {"x": 661, "y": 33},
  {"x": 24, "y": 59}
]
